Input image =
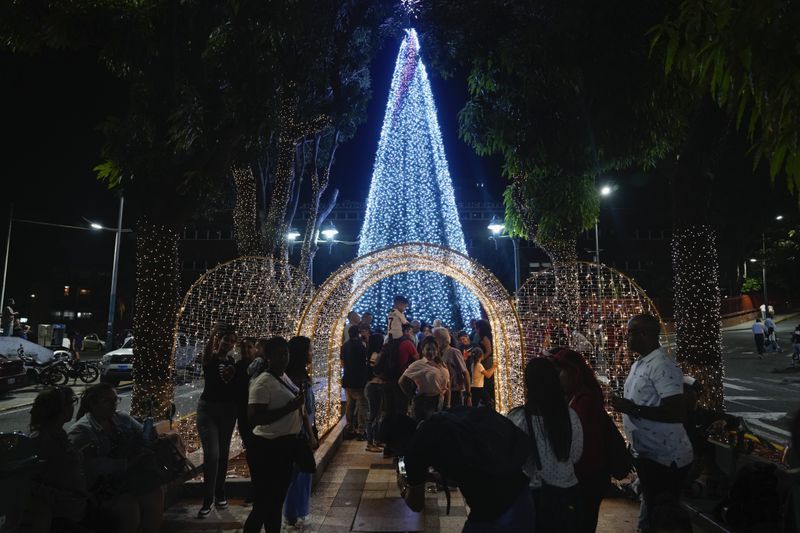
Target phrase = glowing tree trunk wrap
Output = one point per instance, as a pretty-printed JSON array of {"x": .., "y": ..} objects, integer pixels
[
  {"x": 157, "y": 289},
  {"x": 245, "y": 213},
  {"x": 411, "y": 198},
  {"x": 566, "y": 304},
  {"x": 697, "y": 309}
]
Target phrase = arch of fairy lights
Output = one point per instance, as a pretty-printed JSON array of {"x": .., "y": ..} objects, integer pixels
[
  {"x": 261, "y": 298},
  {"x": 607, "y": 300},
  {"x": 324, "y": 318}
]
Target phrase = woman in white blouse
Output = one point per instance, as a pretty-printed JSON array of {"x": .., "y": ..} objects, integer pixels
[
  {"x": 274, "y": 411},
  {"x": 427, "y": 381},
  {"x": 557, "y": 445}
]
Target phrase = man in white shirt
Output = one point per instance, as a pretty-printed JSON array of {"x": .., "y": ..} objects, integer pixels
[
  {"x": 759, "y": 333},
  {"x": 396, "y": 318},
  {"x": 653, "y": 413}
]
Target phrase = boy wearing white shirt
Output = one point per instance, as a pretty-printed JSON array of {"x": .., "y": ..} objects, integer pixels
[{"x": 396, "y": 318}]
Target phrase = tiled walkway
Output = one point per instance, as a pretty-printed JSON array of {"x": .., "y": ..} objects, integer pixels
[{"x": 358, "y": 492}]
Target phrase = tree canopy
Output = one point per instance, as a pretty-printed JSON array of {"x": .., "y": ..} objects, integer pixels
[{"x": 745, "y": 55}]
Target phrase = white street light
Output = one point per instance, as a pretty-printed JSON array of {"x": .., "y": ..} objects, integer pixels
[
  {"x": 292, "y": 235},
  {"x": 330, "y": 232},
  {"x": 496, "y": 227},
  {"x": 753, "y": 260},
  {"x": 779, "y": 217},
  {"x": 33, "y": 296},
  {"x": 605, "y": 190},
  {"x": 95, "y": 225}
]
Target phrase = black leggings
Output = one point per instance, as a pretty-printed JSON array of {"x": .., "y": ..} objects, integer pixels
[{"x": 271, "y": 463}]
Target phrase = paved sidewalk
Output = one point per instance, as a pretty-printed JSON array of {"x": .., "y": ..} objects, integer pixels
[
  {"x": 790, "y": 320},
  {"x": 358, "y": 492}
]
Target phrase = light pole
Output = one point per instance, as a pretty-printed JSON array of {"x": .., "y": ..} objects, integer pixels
[
  {"x": 93, "y": 226},
  {"x": 497, "y": 228},
  {"x": 112, "y": 299}
]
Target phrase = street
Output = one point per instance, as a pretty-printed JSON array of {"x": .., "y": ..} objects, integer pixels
[{"x": 763, "y": 392}]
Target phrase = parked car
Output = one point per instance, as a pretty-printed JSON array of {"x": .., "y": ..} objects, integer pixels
[
  {"x": 93, "y": 343},
  {"x": 117, "y": 365}
]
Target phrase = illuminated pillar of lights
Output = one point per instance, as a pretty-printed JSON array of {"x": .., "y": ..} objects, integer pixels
[{"x": 411, "y": 199}]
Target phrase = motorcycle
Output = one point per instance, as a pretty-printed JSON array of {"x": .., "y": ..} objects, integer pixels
[
  {"x": 48, "y": 374},
  {"x": 86, "y": 371}
]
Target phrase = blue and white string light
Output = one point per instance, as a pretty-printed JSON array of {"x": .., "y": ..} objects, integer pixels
[{"x": 411, "y": 199}]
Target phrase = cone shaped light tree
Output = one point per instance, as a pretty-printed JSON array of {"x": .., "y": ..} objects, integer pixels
[{"x": 411, "y": 199}]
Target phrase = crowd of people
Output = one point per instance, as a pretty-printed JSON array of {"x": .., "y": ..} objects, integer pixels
[
  {"x": 418, "y": 394},
  {"x": 547, "y": 465}
]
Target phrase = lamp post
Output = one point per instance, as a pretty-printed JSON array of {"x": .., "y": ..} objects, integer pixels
[
  {"x": 497, "y": 227},
  {"x": 93, "y": 226}
]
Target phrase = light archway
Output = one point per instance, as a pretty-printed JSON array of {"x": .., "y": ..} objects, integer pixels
[{"x": 324, "y": 318}]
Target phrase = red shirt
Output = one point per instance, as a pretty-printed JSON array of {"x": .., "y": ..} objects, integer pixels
[
  {"x": 407, "y": 353},
  {"x": 590, "y": 410}
]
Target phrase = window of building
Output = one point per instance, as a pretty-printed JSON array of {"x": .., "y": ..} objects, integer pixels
[
  {"x": 84, "y": 314},
  {"x": 68, "y": 315},
  {"x": 84, "y": 292},
  {"x": 55, "y": 314},
  {"x": 66, "y": 290}
]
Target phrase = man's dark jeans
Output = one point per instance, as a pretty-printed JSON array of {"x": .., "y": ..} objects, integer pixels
[{"x": 660, "y": 485}]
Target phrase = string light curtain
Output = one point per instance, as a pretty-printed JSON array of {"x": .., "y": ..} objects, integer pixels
[
  {"x": 324, "y": 318},
  {"x": 605, "y": 303},
  {"x": 411, "y": 199}
]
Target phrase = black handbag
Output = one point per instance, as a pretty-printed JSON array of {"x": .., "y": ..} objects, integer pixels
[
  {"x": 620, "y": 462},
  {"x": 304, "y": 458},
  {"x": 302, "y": 454}
]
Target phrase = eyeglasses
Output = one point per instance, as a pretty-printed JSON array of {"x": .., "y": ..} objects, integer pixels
[{"x": 75, "y": 400}]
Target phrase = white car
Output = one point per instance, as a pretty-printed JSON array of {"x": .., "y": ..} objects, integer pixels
[
  {"x": 117, "y": 365},
  {"x": 93, "y": 343}
]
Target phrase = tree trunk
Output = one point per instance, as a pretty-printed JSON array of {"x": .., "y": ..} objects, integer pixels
[
  {"x": 694, "y": 258},
  {"x": 157, "y": 286},
  {"x": 697, "y": 308},
  {"x": 566, "y": 300},
  {"x": 245, "y": 213}
]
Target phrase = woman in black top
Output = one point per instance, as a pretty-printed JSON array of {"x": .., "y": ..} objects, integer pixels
[{"x": 216, "y": 415}]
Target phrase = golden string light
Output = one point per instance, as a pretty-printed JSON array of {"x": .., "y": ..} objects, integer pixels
[
  {"x": 156, "y": 301},
  {"x": 697, "y": 310},
  {"x": 324, "y": 318},
  {"x": 604, "y": 305},
  {"x": 245, "y": 227},
  {"x": 259, "y": 297}
]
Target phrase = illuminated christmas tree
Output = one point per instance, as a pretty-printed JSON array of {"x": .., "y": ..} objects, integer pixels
[{"x": 411, "y": 199}]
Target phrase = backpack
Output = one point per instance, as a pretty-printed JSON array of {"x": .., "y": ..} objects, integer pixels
[
  {"x": 485, "y": 441},
  {"x": 388, "y": 364}
]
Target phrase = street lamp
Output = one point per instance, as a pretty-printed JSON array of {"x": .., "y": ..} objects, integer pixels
[
  {"x": 497, "y": 228},
  {"x": 330, "y": 232},
  {"x": 292, "y": 235},
  {"x": 93, "y": 226},
  {"x": 605, "y": 190},
  {"x": 779, "y": 217}
]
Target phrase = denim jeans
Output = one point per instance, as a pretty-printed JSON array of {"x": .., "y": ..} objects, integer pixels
[
  {"x": 374, "y": 394},
  {"x": 215, "y": 422}
]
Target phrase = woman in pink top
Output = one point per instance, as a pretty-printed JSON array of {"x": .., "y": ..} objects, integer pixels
[{"x": 426, "y": 381}]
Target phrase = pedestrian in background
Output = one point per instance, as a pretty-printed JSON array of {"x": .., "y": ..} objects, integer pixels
[
  {"x": 374, "y": 393},
  {"x": 653, "y": 413},
  {"x": 9, "y": 316},
  {"x": 247, "y": 353},
  {"x": 354, "y": 379},
  {"x": 456, "y": 367},
  {"x": 298, "y": 495},
  {"x": 796, "y": 346},
  {"x": 216, "y": 415},
  {"x": 479, "y": 373},
  {"x": 426, "y": 381},
  {"x": 486, "y": 343},
  {"x": 557, "y": 444},
  {"x": 759, "y": 332}
]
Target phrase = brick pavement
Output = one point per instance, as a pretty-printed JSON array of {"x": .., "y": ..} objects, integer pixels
[{"x": 358, "y": 492}]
